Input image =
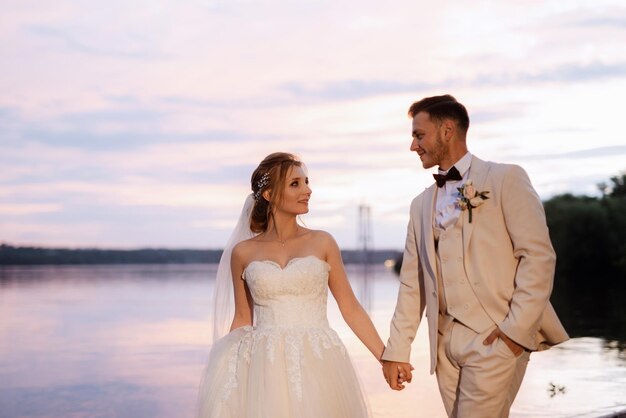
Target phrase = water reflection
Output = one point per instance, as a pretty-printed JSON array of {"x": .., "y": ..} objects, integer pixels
[
  {"x": 131, "y": 341},
  {"x": 592, "y": 309}
]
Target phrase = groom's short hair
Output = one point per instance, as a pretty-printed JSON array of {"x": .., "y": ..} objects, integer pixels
[{"x": 440, "y": 108}]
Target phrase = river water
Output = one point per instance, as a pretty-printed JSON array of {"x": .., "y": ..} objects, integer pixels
[{"x": 131, "y": 341}]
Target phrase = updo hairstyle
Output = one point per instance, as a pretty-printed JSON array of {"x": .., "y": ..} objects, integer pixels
[{"x": 270, "y": 175}]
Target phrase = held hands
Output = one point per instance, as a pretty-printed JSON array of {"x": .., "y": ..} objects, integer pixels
[
  {"x": 397, "y": 373},
  {"x": 513, "y": 346}
]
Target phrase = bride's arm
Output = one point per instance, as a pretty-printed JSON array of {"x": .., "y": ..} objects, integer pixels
[
  {"x": 243, "y": 299},
  {"x": 351, "y": 310}
]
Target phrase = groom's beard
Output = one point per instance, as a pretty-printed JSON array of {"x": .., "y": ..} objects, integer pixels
[{"x": 439, "y": 152}]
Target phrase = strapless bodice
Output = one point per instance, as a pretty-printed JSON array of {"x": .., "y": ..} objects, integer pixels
[
  {"x": 294, "y": 296},
  {"x": 290, "y": 363}
]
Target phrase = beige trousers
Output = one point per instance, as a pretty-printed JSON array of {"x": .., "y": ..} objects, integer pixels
[{"x": 476, "y": 380}]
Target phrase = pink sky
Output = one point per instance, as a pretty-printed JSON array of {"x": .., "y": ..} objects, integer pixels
[{"x": 127, "y": 125}]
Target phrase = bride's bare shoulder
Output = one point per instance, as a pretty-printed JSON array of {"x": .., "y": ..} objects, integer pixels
[
  {"x": 320, "y": 235},
  {"x": 324, "y": 245},
  {"x": 244, "y": 248}
]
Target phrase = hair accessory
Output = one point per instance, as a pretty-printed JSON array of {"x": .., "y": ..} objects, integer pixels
[{"x": 264, "y": 181}]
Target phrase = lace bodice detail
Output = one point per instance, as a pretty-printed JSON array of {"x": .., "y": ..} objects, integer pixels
[
  {"x": 289, "y": 320},
  {"x": 291, "y": 297}
]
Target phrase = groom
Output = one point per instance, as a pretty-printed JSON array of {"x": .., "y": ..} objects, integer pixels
[{"x": 478, "y": 259}]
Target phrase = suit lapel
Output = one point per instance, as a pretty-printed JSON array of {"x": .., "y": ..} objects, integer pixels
[
  {"x": 428, "y": 210},
  {"x": 478, "y": 174}
]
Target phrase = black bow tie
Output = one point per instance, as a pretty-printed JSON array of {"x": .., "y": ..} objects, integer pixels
[{"x": 451, "y": 175}]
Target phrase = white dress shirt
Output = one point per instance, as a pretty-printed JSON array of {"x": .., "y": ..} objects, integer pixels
[{"x": 447, "y": 211}]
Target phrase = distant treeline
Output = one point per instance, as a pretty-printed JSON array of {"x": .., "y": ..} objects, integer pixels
[
  {"x": 589, "y": 237},
  {"x": 11, "y": 255},
  {"x": 36, "y": 255},
  {"x": 589, "y": 234}
]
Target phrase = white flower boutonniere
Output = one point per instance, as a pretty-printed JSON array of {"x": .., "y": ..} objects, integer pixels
[{"x": 470, "y": 198}]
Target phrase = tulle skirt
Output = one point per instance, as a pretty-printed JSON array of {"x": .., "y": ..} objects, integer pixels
[{"x": 280, "y": 373}]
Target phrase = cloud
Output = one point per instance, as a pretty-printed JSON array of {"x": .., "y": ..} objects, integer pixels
[
  {"x": 265, "y": 101},
  {"x": 573, "y": 72},
  {"x": 344, "y": 90},
  {"x": 126, "y": 47},
  {"x": 144, "y": 124},
  {"x": 126, "y": 117},
  {"x": 618, "y": 22},
  {"x": 6, "y": 113},
  {"x": 351, "y": 89},
  {"x": 113, "y": 128},
  {"x": 121, "y": 137},
  {"x": 25, "y": 209},
  {"x": 91, "y": 222},
  {"x": 598, "y": 152},
  {"x": 561, "y": 74}
]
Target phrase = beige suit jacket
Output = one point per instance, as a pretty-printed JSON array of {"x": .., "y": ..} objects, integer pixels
[{"x": 507, "y": 255}]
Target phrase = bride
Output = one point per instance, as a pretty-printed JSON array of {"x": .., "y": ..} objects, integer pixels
[{"x": 281, "y": 359}]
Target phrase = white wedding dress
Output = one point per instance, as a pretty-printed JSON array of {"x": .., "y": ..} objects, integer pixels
[{"x": 290, "y": 363}]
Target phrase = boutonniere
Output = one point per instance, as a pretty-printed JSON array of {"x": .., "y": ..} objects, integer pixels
[{"x": 470, "y": 198}]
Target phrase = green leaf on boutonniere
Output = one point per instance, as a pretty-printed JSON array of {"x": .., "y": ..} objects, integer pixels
[{"x": 470, "y": 198}]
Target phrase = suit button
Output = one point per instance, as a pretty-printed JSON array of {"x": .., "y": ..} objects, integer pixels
[{"x": 466, "y": 306}]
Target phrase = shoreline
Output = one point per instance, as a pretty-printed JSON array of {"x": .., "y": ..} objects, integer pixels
[{"x": 22, "y": 256}]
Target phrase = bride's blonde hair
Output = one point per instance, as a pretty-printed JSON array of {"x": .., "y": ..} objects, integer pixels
[{"x": 270, "y": 175}]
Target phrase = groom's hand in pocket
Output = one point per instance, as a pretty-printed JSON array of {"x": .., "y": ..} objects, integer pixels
[
  {"x": 513, "y": 346},
  {"x": 396, "y": 374}
]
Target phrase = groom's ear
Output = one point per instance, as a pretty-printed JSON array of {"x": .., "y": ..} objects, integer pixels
[{"x": 448, "y": 128}]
